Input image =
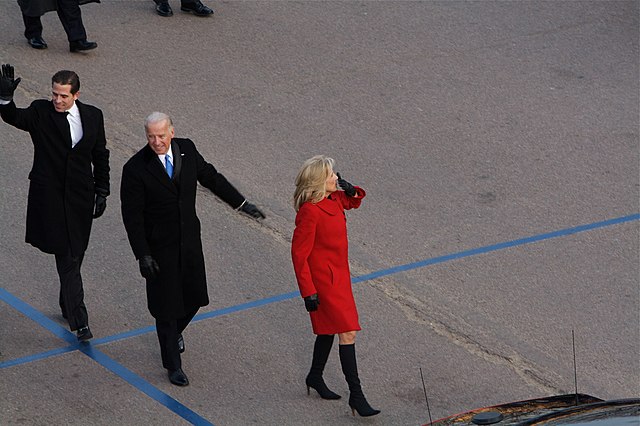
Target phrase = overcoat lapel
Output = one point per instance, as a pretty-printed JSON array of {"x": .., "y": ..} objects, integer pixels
[
  {"x": 155, "y": 168},
  {"x": 60, "y": 120},
  {"x": 177, "y": 163},
  {"x": 87, "y": 131}
]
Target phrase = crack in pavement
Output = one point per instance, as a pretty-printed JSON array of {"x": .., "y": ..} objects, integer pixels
[{"x": 451, "y": 328}]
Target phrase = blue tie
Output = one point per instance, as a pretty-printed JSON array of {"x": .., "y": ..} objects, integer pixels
[{"x": 168, "y": 165}]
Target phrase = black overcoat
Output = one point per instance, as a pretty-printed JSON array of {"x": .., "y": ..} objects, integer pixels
[
  {"x": 63, "y": 180},
  {"x": 40, "y": 7},
  {"x": 159, "y": 215}
]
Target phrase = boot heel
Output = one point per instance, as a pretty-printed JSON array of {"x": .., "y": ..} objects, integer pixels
[
  {"x": 363, "y": 408},
  {"x": 308, "y": 390}
]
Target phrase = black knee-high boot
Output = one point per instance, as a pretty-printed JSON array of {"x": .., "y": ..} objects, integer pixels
[
  {"x": 321, "y": 350},
  {"x": 357, "y": 401}
]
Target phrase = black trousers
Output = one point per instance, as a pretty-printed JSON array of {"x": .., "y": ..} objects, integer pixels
[
  {"x": 70, "y": 17},
  {"x": 168, "y": 332},
  {"x": 71, "y": 291}
]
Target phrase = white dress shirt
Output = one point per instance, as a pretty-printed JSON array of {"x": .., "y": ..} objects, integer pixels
[
  {"x": 75, "y": 124},
  {"x": 163, "y": 158}
]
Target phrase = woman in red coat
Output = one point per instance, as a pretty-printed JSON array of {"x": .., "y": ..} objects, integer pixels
[{"x": 319, "y": 251}]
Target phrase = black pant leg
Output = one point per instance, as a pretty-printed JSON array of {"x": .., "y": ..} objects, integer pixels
[
  {"x": 61, "y": 303},
  {"x": 168, "y": 331},
  {"x": 71, "y": 290},
  {"x": 71, "y": 19},
  {"x": 183, "y": 322},
  {"x": 32, "y": 26},
  {"x": 168, "y": 339}
]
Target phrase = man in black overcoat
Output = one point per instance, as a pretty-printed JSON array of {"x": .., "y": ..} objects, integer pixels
[
  {"x": 158, "y": 200},
  {"x": 70, "y": 17},
  {"x": 69, "y": 180}
]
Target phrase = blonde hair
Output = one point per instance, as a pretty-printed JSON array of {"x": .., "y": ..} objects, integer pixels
[{"x": 311, "y": 179}]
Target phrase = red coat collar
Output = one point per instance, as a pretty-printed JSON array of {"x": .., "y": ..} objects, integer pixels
[{"x": 329, "y": 206}]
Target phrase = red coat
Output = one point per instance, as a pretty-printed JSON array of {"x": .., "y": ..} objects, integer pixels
[{"x": 320, "y": 254}]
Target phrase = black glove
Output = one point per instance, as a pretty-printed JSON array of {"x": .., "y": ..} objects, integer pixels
[
  {"x": 148, "y": 267},
  {"x": 251, "y": 210},
  {"x": 346, "y": 186},
  {"x": 311, "y": 302},
  {"x": 7, "y": 83},
  {"x": 101, "y": 205}
]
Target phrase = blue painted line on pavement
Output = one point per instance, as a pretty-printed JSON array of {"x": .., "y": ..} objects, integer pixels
[
  {"x": 37, "y": 357},
  {"x": 38, "y": 317},
  {"x": 98, "y": 356},
  {"x": 144, "y": 386},
  {"x": 432, "y": 261},
  {"x": 245, "y": 306},
  {"x": 495, "y": 247},
  {"x": 183, "y": 411},
  {"x": 124, "y": 335}
]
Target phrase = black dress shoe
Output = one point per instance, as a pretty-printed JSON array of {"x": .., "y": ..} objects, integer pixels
[
  {"x": 197, "y": 8},
  {"x": 178, "y": 378},
  {"x": 180, "y": 343},
  {"x": 84, "y": 334},
  {"x": 37, "y": 42},
  {"x": 163, "y": 9},
  {"x": 80, "y": 45}
]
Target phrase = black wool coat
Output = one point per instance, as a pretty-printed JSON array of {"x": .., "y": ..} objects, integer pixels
[
  {"x": 40, "y": 7},
  {"x": 159, "y": 215},
  {"x": 63, "y": 180}
]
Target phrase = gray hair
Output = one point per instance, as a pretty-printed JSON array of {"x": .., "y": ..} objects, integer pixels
[{"x": 156, "y": 117}]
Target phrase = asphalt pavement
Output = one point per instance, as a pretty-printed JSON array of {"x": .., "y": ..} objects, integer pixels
[{"x": 499, "y": 146}]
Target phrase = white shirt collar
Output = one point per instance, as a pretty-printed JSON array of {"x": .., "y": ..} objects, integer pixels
[
  {"x": 168, "y": 153},
  {"x": 74, "y": 111}
]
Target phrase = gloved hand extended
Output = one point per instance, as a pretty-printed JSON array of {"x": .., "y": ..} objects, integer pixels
[
  {"x": 251, "y": 210},
  {"x": 8, "y": 83}
]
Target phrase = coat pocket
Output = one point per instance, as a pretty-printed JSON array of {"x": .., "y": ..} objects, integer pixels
[{"x": 332, "y": 276}]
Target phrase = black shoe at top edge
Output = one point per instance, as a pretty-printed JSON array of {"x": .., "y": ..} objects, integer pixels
[
  {"x": 82, "y": 45},
  {"x": 37, "y": 42}
]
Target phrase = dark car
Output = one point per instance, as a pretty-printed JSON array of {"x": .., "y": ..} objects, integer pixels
[{"x": 571, "y": 409}]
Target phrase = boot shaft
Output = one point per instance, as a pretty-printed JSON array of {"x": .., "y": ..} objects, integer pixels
[
  {"x": 350, "y": 368},
  {"x": 357, "y": 400},
  {"x": 321, "y": 351}
]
